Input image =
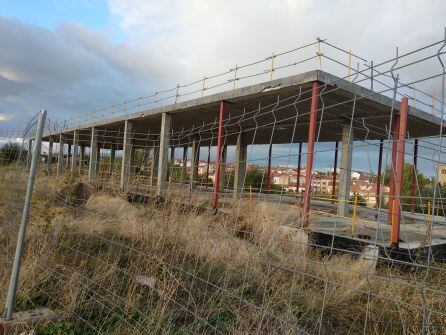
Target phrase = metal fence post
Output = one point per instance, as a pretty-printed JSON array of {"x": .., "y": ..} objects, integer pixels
[{"x": 10, "y": 301}]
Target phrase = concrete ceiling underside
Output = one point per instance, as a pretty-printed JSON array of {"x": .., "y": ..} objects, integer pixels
[{"x": 276, "y": 111}]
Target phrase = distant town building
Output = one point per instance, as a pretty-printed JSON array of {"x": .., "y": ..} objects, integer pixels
[{"x": 442, "y": 174}]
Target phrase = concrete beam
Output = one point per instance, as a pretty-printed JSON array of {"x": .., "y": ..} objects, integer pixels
[
  {"x": 240, "y": 165},
  {"x": 166, "y": 123},
  {"x": 126, "y": 155},
  {"x": 75, "y": 149},
  {"x": 195, "y": 162},
  {"x": 93, "y": 164},
  {"x": 60, "y": 156},
  {"x": 345, "y": 169},
  {"x": 50, "y": 155}
]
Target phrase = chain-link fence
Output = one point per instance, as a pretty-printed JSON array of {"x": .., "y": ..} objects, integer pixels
[{"x": 236, "y": 216}]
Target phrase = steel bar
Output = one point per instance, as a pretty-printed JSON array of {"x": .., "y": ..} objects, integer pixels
[
  {"x": 414, "y": 176},
  {"x": 219, "y": 150},
  {"x": 335, "y": 167},
  {"x": 299, "y": 160},
  {"x": 268, "y": 171},
  {"x": 397, "y": 208},
  {"x": 378, "y": 177},
  {"x": 393, "y": 166},
  {"x": 10, "y": 302},
  {"x": 310, "y": 150}
]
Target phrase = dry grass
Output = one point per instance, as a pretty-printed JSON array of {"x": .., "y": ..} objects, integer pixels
[{"x": 238, "y": 272}]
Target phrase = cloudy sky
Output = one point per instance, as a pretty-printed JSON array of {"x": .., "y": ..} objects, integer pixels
[{"x": 72, "y": 57}]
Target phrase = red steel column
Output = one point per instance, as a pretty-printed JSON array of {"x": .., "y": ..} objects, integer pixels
[
  {"x": 299, "y": 158},
  {"x": 395, "y": 132},
  {"x": 414, "y": 176},
  {"x": 268, "y": 171},
  {"x": 378, "y": 178},
  {"x": 397, "y": 208},
  {"x": 335, "y": 167},
  {"x": 310, "y": 150},
  {"x": 218, "y": 160}
]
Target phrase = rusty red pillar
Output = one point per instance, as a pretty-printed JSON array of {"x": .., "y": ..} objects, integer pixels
[
  {"x": 268, "y": 171},
  {"x": 207, "y": 166},
  {"x": 299, "y": 159},
  {"x": 335, "y": 168},
  {"x": 398, "y": 208},
  {"x": 310, "y": 150},
  {"x": 218, "y": 158},
  {"x": 414, "y": 176},
  {"x": 378, "y": 177},
  {"x": 395, "y": 132}
]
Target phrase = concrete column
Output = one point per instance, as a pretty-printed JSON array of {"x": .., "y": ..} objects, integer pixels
[
  {"x": 132, "y": 159},
  {"x": 163, "y": 167},
  {"x": 184, "y": 165},
  {"x": 223, "y": 167},
  {"x": 67, "y": 162},
  {"x": 111, "y": 167},
  {"x": 98, "y": 161},
  {"x": 75, "y": 148},
  {"x": 155, "y": 163},
  {"x": 93, "y": 164},
  {"x": 50, "y": 155},
  {"x": 60, "y": 156},
  {"x": 81, "y": 157},
  {"x": 195, "y": 162},
  {"x": 345, "y": 169},
  {"x": 29, "y": 155},
  {"x": 126, "y": 154},
  {"x": 240, "y": 165}
]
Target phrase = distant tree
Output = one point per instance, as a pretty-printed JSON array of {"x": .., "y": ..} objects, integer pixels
[
  {"x": 424, "y": 187},
  {"x": 360, "y": 200},
  {"x": 12, "y": 152},
  {"x": 256, "y": 178}
]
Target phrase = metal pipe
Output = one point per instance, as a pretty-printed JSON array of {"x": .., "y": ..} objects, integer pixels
[
  {"x": 393, "y": 167},
  {"x": 399, "y": 173},
  {"x": 207, "y": 165},
  {"x": 50, "y": 155},
  {"x": 335, "y": 167},
  {"x": 219, "y": 149},
  {"x": 414, "y": 175},
  {"x": 184, "y": 165},
  {"x": 268, "y": 171},
  {"x": 378, "y": 178},
  {"x": 299, "y": 158},
  {"x": 60, "y": 156},
  {"x": 10, "y": 302},
  {"x": 310, "y": 150}
]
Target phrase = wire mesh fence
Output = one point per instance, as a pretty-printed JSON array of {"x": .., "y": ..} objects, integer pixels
[{"x": 239, "y": 217}]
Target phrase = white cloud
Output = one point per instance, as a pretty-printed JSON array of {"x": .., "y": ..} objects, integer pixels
[
  {"x": 200, "y": 36},
  {"x": 72, "y": 70}
]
